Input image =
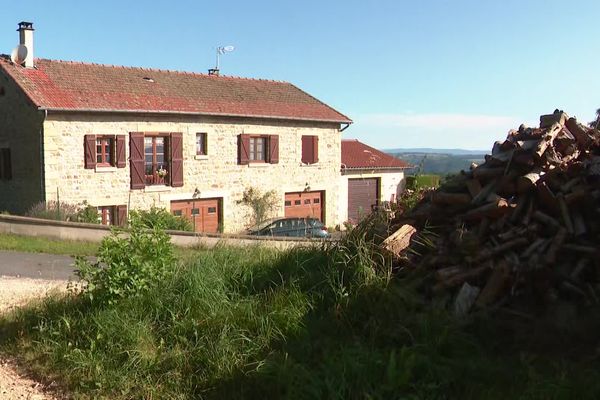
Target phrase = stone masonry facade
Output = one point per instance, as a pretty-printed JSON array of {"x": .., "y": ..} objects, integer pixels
[
  {"x": 20, "y": 132},
  {"x": 216, "y": 175}
]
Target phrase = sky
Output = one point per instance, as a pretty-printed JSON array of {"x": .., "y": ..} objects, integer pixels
[{"x": 426, "y": 73}]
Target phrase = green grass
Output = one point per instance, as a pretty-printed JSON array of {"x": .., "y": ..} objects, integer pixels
[
  {"x": 31, "y": 244},
  {"x": 254, "y": 323}
]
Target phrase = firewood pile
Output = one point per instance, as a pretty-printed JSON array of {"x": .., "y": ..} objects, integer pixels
[{"x": 522, "y": 227}]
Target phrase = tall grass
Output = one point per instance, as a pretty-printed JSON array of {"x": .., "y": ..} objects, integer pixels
[{"x": 326, "y": 322}]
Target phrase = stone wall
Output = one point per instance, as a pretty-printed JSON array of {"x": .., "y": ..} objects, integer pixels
[
  {"x": 20, "y": 131},
  {"x": 216, "y": 175}
]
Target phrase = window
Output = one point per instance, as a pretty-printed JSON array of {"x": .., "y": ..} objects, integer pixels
[
  {"x": 105, "y": 148},
  {"x": 297, "y": 202},
  {"x": 104, "y": 151},
  {"x": 212, "y": 210},
  {"x": 316, "y": 201},
  {"x": 288, "y": 203},
  {"x": 112, "y": 215},
  {"x": 106, "y": 215},
  {"x": 201, "y": 144},
  {"x": 258, "y": 148},
  {"x": 155, "y": 162},
  {"x": 155, "y": 159},
  {"x": 5, "y": 164},
  {"x": 310, "y": 149},
  {"x": 306, "y": 201}
]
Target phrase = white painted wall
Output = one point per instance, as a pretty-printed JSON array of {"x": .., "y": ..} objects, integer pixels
[{"x": 391, "y": 185}]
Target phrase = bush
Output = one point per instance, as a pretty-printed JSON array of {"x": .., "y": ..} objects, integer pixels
[
  {"x": 422, "y": 181},
  {"x": 261, "y": 204},
  {"x": 88, "y": 214},
  {"x": 127, "y": 266},
  {"x": 54, "y": 210},
  {"x": 162, "y": 219}
]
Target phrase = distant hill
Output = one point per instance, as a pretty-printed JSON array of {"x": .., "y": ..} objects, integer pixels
[
  {"x": 427, "y": 150},
  {"x": 439, "y": 161}
]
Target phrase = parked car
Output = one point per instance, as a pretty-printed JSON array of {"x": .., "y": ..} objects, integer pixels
[{"x": 296, "y": 227}]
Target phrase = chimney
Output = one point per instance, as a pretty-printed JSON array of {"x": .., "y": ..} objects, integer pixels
[{"x": 26, "y": 38}]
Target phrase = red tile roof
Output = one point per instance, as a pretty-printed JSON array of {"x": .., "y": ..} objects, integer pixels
[
  {"x": 357, "y": 155},
  {"x": 72, "y": 86}
]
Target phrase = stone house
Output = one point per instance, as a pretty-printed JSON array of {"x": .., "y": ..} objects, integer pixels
[
  {"x": 125, "y": 138},
  {"x": 369, "y": 178}
]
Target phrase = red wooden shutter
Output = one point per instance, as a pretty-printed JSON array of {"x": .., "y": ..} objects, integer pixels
[
  {"x": 121, "y": 215},
  {"x": 274, "y": 149},
  {"x": 136, "y": 160},
  {"x": 176, "y": 147},
  {"x": 243, "y": 149},
  {"x": 307, "y": 149},
  {"x": 89, "y": 147},
  {"x": 315, "y": 149},
  {"x": 121, "y": 161}
]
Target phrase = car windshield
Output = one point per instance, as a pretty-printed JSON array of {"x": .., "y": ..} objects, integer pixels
[{"x": 262, "y": 225}]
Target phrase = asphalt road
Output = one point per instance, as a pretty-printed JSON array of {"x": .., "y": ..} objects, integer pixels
[{"x": 36, "y": 265}]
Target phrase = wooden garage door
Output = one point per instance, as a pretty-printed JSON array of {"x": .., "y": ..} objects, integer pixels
[
  {"x": 304, "y": 204},
  {"x": 204, "y": 214},
  {"x": 362, "y": 196}
]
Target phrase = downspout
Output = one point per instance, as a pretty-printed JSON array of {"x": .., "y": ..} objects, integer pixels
[
  {"x": 344, "y": 128},
  {"x": 42, "y": 161}
]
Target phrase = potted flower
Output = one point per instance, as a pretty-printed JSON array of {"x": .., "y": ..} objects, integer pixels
[{"x": 161, "y": 173}]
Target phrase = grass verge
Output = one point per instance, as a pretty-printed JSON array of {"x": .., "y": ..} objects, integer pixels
[
  {"x": 31, "y": 244},
  {"x": 255, "y": 323}
]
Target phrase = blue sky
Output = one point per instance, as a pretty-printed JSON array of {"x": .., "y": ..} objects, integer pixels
[{"x": 409, "y": 73}]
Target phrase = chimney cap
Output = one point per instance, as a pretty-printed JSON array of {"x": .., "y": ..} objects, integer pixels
[{"x": 23, "y": 25}]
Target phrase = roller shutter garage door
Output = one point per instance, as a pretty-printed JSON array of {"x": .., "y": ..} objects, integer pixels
[
  {"x": 362, "y": 196},
  {"x": 204, "y": 214},
  {"x": 304, "y": 204}
]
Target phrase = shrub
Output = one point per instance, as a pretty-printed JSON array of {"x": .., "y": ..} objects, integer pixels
[
  {"x": 160, "y": 218},
  {"x": 55, "y": 210},
  {"x": 261, "y": 204},
  {"x": 88, "y": 214},
  {"x": 127, "y": 266}
]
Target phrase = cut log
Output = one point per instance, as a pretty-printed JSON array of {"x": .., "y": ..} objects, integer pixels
[
  {"x": 489, "y": 253},
  {"x": 555, "y": 246},
  {"x": 473, "y": 186},
  {"x": 579, "y": 131},
  {"x": 527, "y": 182},
  {"x": 547, "y": 140},
  {"x": 459, "y": 279},
  {"x": 546, "y": 219},
  {"x": 492, "y": 210},
  {"x": 484, "y": 173},
  {"x": 558, "y": 117},
  {"x": 495, "y": 286},
  {"x": 451, "y": 198},
  {"x": 399, "y": 240},
  {"x": 564, "y": 213},
  {"x": 579, "y": 224}
]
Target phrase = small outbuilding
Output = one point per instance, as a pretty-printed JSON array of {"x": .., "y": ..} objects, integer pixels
[{"x": 369, "y": 177}]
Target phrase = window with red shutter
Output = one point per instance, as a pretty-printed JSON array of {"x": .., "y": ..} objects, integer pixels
[
  {"x": 89, "y": 147},
  {"x": 310, "y": 149},
  {"x": 136, "y": 160},
  {"x": 176, "y": 157},
  {"x": 120, "y": 158},
  {"x": 243, "y": 149},
  {"x": 274, "y": 149}
]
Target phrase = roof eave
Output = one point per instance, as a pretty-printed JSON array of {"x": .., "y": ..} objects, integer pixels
[
  {"x": 375, "y": 168},
  {"x": 164, "y": 112}
]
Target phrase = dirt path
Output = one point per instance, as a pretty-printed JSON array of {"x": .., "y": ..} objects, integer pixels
[{"x": 13, "y": 293}]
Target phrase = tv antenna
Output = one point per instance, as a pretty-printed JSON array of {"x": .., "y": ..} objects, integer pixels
[
  {"x": 19, "y": 54},
  {"x": 220, "y": 51}
]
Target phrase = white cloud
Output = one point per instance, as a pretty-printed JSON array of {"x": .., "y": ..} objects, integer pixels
[
  {"x": 436, "y": 130},
  {"x": 432, "y": 122}
]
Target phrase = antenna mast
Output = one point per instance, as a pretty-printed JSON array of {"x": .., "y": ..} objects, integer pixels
[{"x": 220, "y": 50}]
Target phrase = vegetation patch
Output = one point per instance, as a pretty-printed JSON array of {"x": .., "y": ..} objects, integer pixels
[
  {"x": 30, "y": 244},
  {"x": 325, "y": 322}
]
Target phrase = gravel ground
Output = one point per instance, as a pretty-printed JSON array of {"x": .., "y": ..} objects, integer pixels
[{"x": 13, "y": 293}]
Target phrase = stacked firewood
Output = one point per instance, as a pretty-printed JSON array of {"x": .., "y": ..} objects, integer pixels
[{"x": 524, "y": 224}]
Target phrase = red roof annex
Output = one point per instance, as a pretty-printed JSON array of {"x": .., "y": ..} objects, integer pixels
[
  {"x": 358, "y": 155},
  {"x": 71, "y": 86}
]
